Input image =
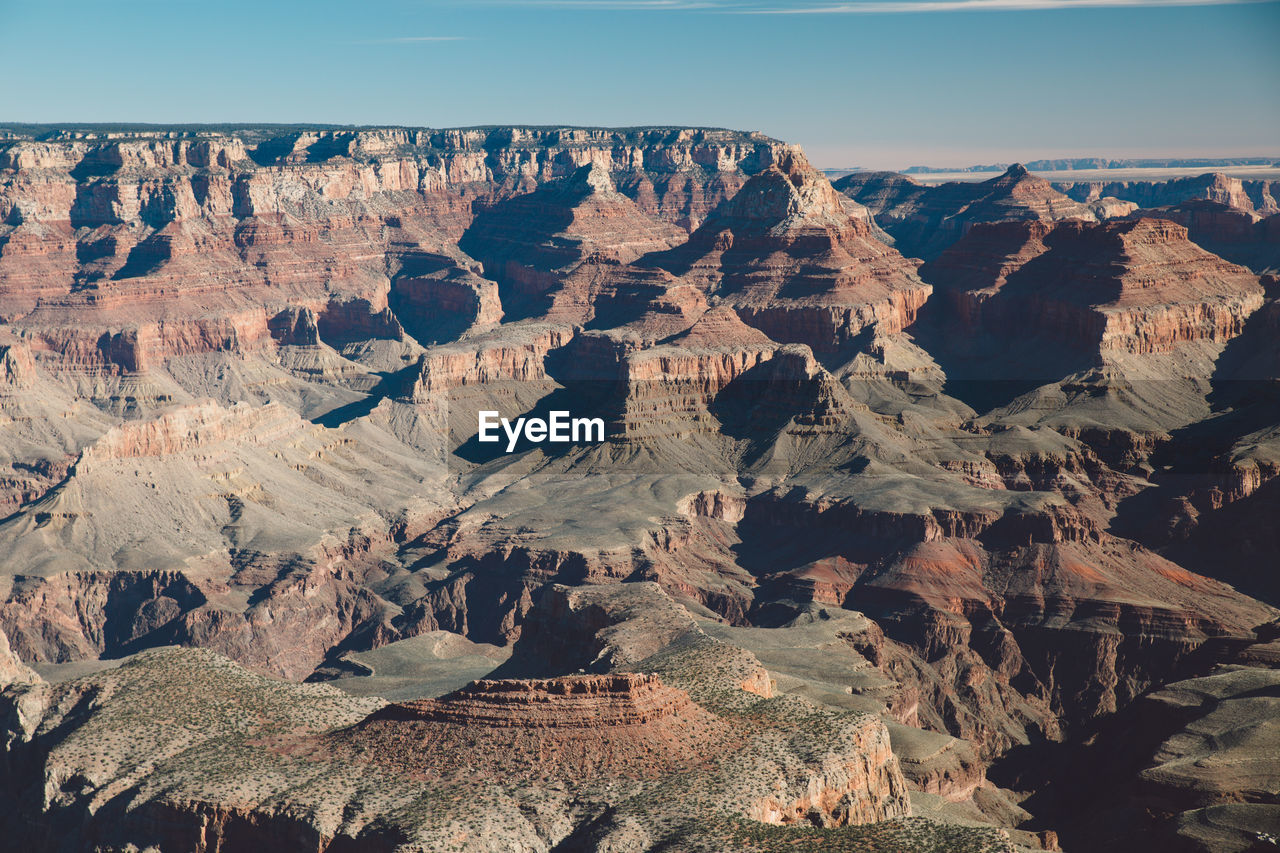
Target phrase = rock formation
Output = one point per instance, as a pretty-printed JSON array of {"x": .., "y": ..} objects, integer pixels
[
  {"x": 553, "y": 248},
  {"x": 867, "y": 547},
  {"x": 123, "y": 253},
  {"x": 1248, "y": 196},
  {"x": 1229, "y": 232},
  {"x": 1135, "y": 287},
  {"x": 794, "y": 263},
  {"x": 221, "y": 760},
  {"x": 926, "y": 220}
]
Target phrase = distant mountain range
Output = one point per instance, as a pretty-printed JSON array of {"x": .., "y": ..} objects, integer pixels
[{"x": 1068, "y": 164}]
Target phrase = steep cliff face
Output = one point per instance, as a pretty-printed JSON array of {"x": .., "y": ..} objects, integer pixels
[
  {"x": 439, "y": 298},
  {"x": 660, "y": 164},
  {"x": 1108, "y": 333},
  {"x": 668, "y": 390},
  {"x": 12, "y": 670},
  {"x": 513, "y": 357},
  {"x": 846, "y": 790},
  {"x": 882, "y": 192},
  {"x": 121, "y": 254},
  {"x": 1018, "y": 613}
]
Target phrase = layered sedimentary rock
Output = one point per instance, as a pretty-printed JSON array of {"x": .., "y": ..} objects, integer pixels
[
  {"x": 12, "y": 670},
  {"x": 794, "y": 263},
  {"x": 1105, "y": 332},
  {"x": 926, "y": 220},
  {"x": 806, "y": 577},
  {"x": 669, "y": 389},
  {"x": 554, "y": 248},
  {"x": 1134, "y": 287},
  {"x": 575, "y": 726},
  {"x": 121, "y": 254},
  {"x": 882, "y": 192},
  {"x": 441, "y": 297},
  {"x": 516, "y": 355},
  {"x": 676, "y": 173},
  {"x": 573, "y": 702},
  {"x": 996, "y": 602},
  {"x": 1229, "y": 232}
]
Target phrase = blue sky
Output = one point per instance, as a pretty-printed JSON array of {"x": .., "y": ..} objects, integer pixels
[{"x": 882, "y": 83}]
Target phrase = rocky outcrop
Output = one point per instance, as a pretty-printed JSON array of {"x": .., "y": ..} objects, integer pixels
[
  {"x": 215, "y": 766},
  {"x": 1107, "y": 333},
  {"x": 580, "y": 727},
  {"x": 845, "y": 790},
  {"x": 997, "y": 607},
  {"x": 622, "y": 717},
  {"x": 444, "y": 298},
  {"x": 17, "y": 368},
  {"x": 569, "y": 702},
  {"x": 12, "y": 670},
  {"x": 882, "y": 192},
  {"x": 668, "y": 390},
  {"x": 517, "y": 355}
]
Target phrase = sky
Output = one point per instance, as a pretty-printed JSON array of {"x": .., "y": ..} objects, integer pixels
[{"x": 869, "y": 83}]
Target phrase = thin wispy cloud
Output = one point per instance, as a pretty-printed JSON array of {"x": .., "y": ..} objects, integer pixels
[
  {"x": 619, "y": 5},
  {"x": 862, "y": 7},
  {"x": 412, "y": 40},
  {"x": 882, "y": 7},
  {"x": 640, "y": 4}
]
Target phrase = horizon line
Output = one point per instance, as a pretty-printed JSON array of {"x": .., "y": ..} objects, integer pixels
[{"x": 861, "y": 7}]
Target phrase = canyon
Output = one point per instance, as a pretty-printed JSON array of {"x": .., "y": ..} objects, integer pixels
[{"x": 916, "y": 508}]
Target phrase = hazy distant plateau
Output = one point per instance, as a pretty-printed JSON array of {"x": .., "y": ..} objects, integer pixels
[{"x": 1256, "y": 173}]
